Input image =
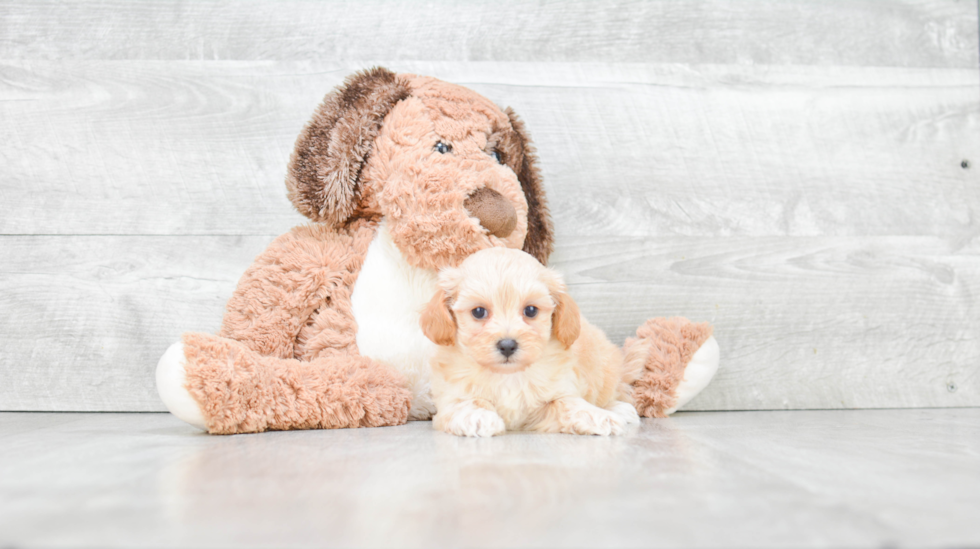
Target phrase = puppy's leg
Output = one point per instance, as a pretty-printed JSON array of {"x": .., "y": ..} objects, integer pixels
[
  {"x": 625, "y": 411},
  {"x": 574, "y": 415},
  {"x": 469, "y": 418}
]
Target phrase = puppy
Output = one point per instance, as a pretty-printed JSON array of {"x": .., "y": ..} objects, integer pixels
[{"x": 515, "y": 354}]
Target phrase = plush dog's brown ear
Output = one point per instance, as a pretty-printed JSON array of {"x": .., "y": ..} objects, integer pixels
[
  {"x": 437, "y": 321},
  {"x": 326, "y": 162},
  {"x": 519, "y": 155}
]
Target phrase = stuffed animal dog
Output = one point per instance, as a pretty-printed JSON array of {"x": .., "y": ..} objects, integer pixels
[
  {"x": 401, "y": 175},
  {"x": 516, "y": 354}
]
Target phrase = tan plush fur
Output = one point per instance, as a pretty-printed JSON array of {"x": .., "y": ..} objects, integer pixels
[
  {"x": 242, "y": 391},
  {"x": 286, "y": 357},
  {"x": 669, "y": 344},
  {"x": 422, "y": 193},
  {"x": 563, "y": 376}
]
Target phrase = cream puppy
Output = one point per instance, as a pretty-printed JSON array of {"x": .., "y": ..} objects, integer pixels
[{"x": 514, "y": 353}]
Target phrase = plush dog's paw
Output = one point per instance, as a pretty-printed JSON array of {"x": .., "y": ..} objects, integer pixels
[
  {"x": 593, "y": 420},
  {"x": 626, "y": 412},
  {"x": 475, "y": 422},
  {"x": 171, "y": 376},
  {"x": 698, "y": 373},
  {"x": 681, "y": 358}
]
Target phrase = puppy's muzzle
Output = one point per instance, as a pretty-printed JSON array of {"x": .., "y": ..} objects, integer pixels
[
  {"x": 495, "y": 212},
  {"x": 507, "y": 347}
]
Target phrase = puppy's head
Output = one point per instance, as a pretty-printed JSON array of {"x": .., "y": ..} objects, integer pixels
[{"x": 501, "y": 307}]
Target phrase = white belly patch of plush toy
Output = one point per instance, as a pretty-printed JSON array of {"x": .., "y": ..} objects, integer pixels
[{"x": 386, "y": 302}]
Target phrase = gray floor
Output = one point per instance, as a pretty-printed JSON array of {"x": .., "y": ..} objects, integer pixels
[{"x": 806, "y": 478}]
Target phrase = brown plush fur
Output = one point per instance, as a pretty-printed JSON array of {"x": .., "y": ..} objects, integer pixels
[
  {"x": 496, "y": 213},
  {"x": 519, "y": 154},
  {"x": 671, "y": 344},
  {"x": 326, "y": 163},
  {"x": 241, "y": 391},
  {"x": 286, "y": 356},
  {"x": 294, "y": 301}
]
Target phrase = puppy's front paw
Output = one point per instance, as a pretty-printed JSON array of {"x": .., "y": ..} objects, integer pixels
[
  {"x": 475, "y": 422},
  {"x": 626, "y": 412},
  {"x": 594, "y": 421}
]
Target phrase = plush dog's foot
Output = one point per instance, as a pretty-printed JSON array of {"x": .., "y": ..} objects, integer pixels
[
  {"x": 473, "y": 421},
  {"x": 698, "y": 373},
  {"x": 681, "y": 359},
  {"x": 171, "y": 377}
]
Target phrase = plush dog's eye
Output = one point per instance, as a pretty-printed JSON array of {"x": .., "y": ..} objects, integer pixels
[
  {"x": 497, "y": 156},
  {"x": 443, "y": 148},
  {"x": 530, "y": 311},
  {"x": 479, "y": 313}
]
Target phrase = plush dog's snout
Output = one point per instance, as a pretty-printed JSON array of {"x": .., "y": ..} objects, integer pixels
[
  {"x": 507, "y": 347},
  {"x": 495, "y": 212}
]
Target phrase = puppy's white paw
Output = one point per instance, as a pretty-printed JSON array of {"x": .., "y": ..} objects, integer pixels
[
  {"x": 422, "y": 408},
  {"x": 593, "y": 420},
  {"x": 626, "y": 412},
  {"x": 474, "y": 421}
]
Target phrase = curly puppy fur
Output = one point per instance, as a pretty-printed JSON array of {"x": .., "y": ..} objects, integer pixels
[{"x": 515, "y": 353}]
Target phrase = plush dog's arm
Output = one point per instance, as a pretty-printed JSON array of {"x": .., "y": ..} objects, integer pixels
[
  {"x": 300, "y": 273},
  {"x": 287, "y": 357}
]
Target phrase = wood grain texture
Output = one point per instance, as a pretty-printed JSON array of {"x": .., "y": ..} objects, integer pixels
[
  {"x": 804, "y": 322},
  {"x": 200, "y": 148},
  {"x": 907, "y": 33},
  {"x": 85, "y": 319},
  {"x": 802, "y": 174}
]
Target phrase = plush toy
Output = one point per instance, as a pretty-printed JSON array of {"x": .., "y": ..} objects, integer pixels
[{"x": 401, "y": 175}]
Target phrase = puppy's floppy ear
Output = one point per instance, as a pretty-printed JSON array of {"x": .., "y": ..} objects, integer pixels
[
  {"x": 520, "y": 156},
  {"x": 438, "y": 322},
  {"x": 566, "y": 321},
  {"x": 326, "y": 162}
]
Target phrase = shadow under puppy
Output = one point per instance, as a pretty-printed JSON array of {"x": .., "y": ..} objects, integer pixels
[{"x": 515, "y": 353}]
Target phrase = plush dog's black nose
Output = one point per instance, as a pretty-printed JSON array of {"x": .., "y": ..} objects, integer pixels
[{"x": 507, "y": 347}]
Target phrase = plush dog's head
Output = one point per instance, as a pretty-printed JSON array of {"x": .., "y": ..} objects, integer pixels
[
  {"x": 501, "y": 307},
  {"x": 448, "y": 171}
]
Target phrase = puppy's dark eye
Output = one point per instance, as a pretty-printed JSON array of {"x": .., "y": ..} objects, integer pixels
[
  {"x": 479, "y": 313},
  {"x": 497, "y": 156},
  {"x": 530, "y": 311},
  {"x": 443, "y": 148}
]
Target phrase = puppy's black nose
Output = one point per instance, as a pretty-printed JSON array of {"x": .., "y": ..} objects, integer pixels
[{"x": 507, "y": 347}]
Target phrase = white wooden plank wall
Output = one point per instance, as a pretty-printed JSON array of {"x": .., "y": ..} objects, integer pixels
[{"x": 792, "y": 171}]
